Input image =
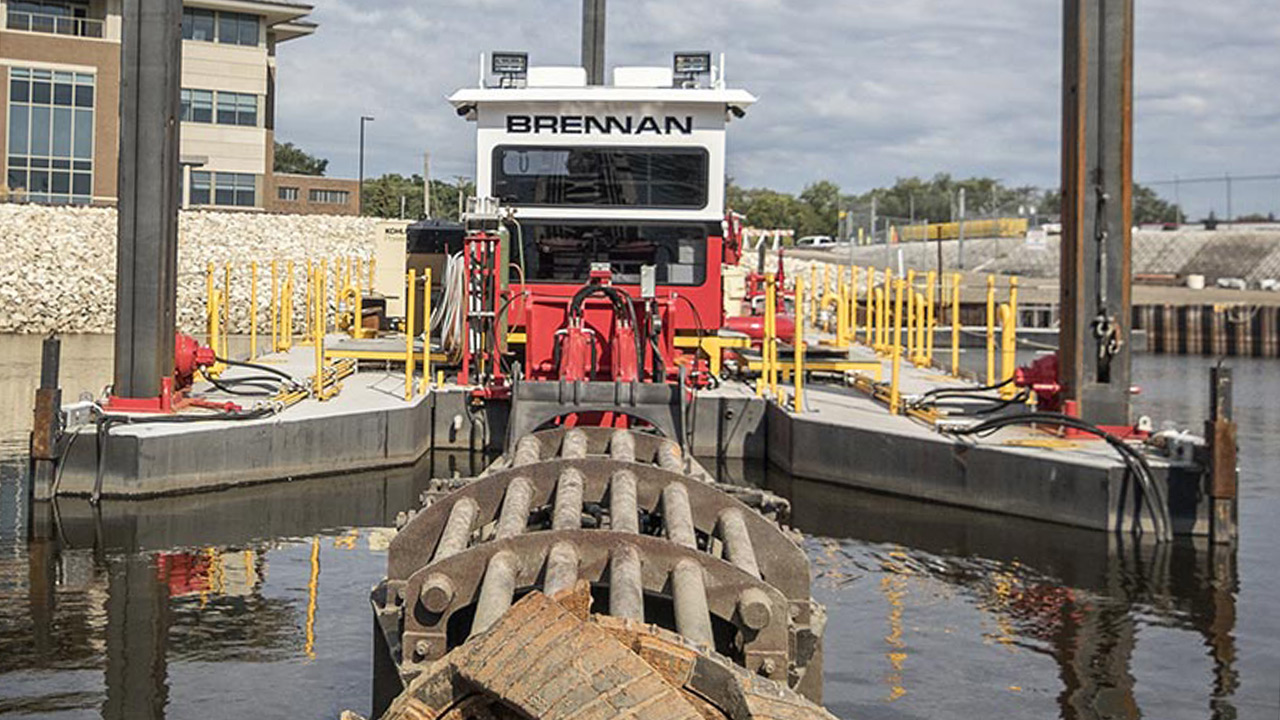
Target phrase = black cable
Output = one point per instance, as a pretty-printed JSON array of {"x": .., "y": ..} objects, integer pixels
[
  {"x": 262, "y": 390},
  {"x": 697, "y": 318},
  {"x": 953, "y": 389},
  {"x": 256, "y": 366},
  {"x": 1153, "y": 496}
]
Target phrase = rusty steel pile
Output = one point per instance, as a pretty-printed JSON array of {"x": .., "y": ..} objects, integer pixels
[{"x": 597, "y": 572}]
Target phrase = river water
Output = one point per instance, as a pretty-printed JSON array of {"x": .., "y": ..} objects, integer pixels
[{"x": 254, "y": 602}]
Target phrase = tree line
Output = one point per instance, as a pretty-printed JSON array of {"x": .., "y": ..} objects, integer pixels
[{"x": 815, "y": 210}]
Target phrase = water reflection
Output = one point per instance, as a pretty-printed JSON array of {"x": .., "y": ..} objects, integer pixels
[
  {"x": 1082, "y": 598},
  {"x": 143, "y": 595}
]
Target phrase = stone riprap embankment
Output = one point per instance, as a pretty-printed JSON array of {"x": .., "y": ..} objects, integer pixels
[{"x": 57, "y": 264}]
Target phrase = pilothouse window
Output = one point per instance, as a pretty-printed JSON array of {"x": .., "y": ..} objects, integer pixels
[
  {"x": 564, "y": 252},
  {"x": 597, "y": 176}
]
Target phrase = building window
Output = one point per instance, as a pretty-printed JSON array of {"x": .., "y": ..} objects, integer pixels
[
  {"x": 288, "y": 194},
  {"x": 233, "y": 108},
  {"x": 225, "y": 27},
  {"x": 237, "y": 109},
  {"x": 329, "y": 197},
  {"x": 51, "y": 16},
  {"x": 200, "y": 184},
  {"x": 226, "y": 189},
  {"x": 237, "y": 29},
  {"x": 198, "y": 24},
  {"x": 51, "y": 135}
]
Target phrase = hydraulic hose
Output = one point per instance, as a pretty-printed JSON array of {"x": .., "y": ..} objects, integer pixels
[{"x": 1153, "y": 496}]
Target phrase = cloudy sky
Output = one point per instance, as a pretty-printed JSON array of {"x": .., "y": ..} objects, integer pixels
[{"x": 857, "y": 91}]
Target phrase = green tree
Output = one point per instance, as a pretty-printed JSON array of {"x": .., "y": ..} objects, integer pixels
[
  {"x": 821, "y": 212},
  {"x": 293, "y": 159},
  {"x": 1148, "y": 207},
  {"x": 382, "y": 196}
]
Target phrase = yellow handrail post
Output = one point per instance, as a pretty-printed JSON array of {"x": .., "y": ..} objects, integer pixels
[
  {"x": 408, "y": 334},
  {"x": 763, "y": 381},
  {"x": 798, "y": 356},
  {"x": 991, "y": 330},
  {"x": 842, "y": 312},
  {"x": 311, "y": 300},
  {"x": 883, "y": 298},
  {"x": 226, "y": 309},
  {"x": 286, "y": 306},
  {"x": 870, "y": 334},
  {"x": 918, "y": 359},
  {"x": 931, "y": 323},
  {"x": 773, "y": 335},
  {"x": 896, "y": 350},
  {"x": 253, "y": 310},
  {"x": 426, "y": 329},
  {"x": 275, "y": 307},
  {"x": 210, "y": 307},
  {"x": 911, "y": 315},
  {"x": 1013, "y": 300},
  {"x": 854, "y": 277},
  {"x": 1009, "y": 349},
  {"x": 317, "y": 332},
  {"x": 887, "y": 306},
  {"x": 955, "y": 324}
]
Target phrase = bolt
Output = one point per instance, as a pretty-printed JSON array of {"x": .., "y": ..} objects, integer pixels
[
  {"x": 754, "y": 609},
  {"x": 436, "y": 593},
  {"x": 767, "y": 666},
  {"x": 420, "y": 649}
]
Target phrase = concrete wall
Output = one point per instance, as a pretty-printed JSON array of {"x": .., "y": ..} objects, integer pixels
[{"x": 57, "y": 268}]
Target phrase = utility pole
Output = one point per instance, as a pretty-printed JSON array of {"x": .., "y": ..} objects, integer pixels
[
  {"x": 147, "y": 231},
  {"x": 426, "y": 184},
  {"x": 360, "y": 195},
  {"x": 1230, "y": 215},
  {"x": 873, "y": 220},
  {"x": 593, "y": 17},
  {"x": 1097, "y": 208}
]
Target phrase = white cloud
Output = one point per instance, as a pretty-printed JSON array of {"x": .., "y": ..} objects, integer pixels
[{"x": 858, "y": 91}]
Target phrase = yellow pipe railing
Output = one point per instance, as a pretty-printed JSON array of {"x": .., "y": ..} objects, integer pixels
[
  {"x": 911, "y": 315},
  {"x": 854, "y": 277},
  {"x": 798, "y": 357},
  {"x": 896, "y": 351},
  {"x": 991, "y": 330},
  {"x": 226, "y": 309},
  {"x": 955, "y": 324},
  {"x": 842, "y": 312},
  {"x": 318, "y": 328},
  {"x": 1008, "y": 350},
  {"x": 887, "y": 320},
  {"x": 931, "y": 320},
  {"x": 412, "y": 286},
  {"x": 773, "y": 336}
]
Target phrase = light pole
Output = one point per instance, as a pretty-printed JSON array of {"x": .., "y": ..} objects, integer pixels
[{"x": 360, "y": 195}]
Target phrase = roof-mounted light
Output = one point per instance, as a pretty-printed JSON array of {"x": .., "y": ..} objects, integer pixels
[
  {"x": 692, "y": 63},
  {"x": 510, "y": 67},
  {"x": 687, "y": 68}
]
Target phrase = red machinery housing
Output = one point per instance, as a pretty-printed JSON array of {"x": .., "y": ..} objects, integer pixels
[{"x": 605, "y": 330}]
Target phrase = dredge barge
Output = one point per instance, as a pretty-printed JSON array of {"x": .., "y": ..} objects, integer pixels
[{"x": 580, "y": 324}]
